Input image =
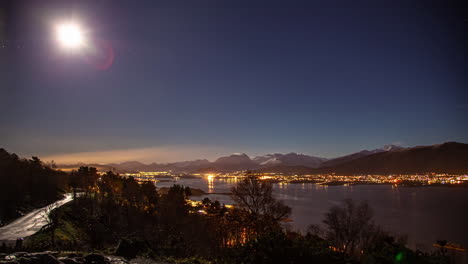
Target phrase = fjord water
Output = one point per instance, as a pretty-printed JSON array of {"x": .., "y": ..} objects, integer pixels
[{"x": 424, "y": 214}]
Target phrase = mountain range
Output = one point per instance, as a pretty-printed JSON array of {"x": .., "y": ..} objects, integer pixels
[{"x": 450, "y": 157}]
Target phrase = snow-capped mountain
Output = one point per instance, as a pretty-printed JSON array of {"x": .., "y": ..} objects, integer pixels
[
  {"x": 290, "y": 159},
  {"x": 357, "y": 155},
  {"x": 449, "y": 157},
  {"x": 241, "y": 161},
  {"x": 268, "y": 160},
  {"x": 390, "y": 147}
]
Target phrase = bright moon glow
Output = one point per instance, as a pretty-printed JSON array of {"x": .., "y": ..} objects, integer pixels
[{"x": 70, "y": 35}]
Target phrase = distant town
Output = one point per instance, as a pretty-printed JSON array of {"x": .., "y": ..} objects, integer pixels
[{"x": 321, "y": 179}]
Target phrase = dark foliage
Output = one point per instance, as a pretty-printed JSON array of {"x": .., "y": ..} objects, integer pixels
[
  {"x": 26, "y": 184},
  {"x": 281, "y": 247},
  {"x": 349, "y": 226},
  {"x": 112, "y": 208}
]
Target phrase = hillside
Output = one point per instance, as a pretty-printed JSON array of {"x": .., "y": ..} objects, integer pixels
[
  {"x": 448, "y": 157},
  {"x": 357, "y": 155}
]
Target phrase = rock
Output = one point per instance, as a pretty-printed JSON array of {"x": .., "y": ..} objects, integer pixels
[
  {"x": 33, "y": 260},
  {"x": 75, "y": 255},
  {"x": 68, "y": 260},
  {"x": 9, "y": 262},
  {"x": 117, "y": 260},
  {"x": 35, "y": 255},
  {"x": 23, "y": 260},
  {"x": 80, "y": 259},
  {"x": 95, "y": 258},
  {"x": 127, "y": 249},
  {"x": 39, "y": 258},
  {"x": 53, "y": 253},
  {"x": 49, "y": 259}
]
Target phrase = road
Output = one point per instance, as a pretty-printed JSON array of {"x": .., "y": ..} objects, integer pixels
[{"x": 30, "y": 223}]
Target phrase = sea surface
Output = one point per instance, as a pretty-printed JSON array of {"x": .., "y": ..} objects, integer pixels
[{"x": 423, "y": 214}]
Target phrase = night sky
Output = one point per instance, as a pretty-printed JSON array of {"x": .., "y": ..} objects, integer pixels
[{"x": 183, "y": 80}]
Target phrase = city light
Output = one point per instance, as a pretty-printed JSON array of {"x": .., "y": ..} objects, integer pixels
[{"x": 322, "y": 180}]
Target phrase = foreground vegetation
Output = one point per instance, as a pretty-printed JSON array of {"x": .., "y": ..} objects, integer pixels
[
  {"x": 120, "y": 216},
  {"x": 26, "y": 184}
]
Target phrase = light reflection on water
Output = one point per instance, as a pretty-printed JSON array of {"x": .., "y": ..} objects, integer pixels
[
  {"x": 425, "y": 214},
  {"x": 210, "y": 179}
]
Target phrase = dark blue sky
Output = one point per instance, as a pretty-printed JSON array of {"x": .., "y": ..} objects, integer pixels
[{"x": 194, "y": 80}]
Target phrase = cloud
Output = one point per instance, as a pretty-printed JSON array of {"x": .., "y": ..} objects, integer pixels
[
  {"x": 148, "y": 155},
  {"x": 159, "y": 154}
]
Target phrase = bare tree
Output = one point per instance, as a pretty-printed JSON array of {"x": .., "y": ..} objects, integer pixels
[
  {"x": 51, "y": 219},
  {"x": 348, "y": 225},
  {"x": 256, "y": 196}
]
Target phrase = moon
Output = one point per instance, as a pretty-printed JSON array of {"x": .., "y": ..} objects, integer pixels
[{"x": 70, "y": 35}]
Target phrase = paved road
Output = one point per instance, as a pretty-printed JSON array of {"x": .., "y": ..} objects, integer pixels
[{"x": 30, "y": 223}]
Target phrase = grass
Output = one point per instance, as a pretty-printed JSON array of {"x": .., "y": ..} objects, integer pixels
[{"x": 67, "y": 234}]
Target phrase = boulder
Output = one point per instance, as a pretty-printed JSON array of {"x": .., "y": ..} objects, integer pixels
[
  {"x": 20, "y": 254},
  {"x": 127, "y": 249},
  {"x": 49, "y": 259},
  {"x": 75, "y": 254},
  {"x": 95, "y": 258},
  {"x": 9, "y": 262},
  {"x": 117, "y": 260},
  {"x": 31, "y": 260},
  {"x": 25, "y": 260},
  {"x": 28, "y": 260},
  {"x": 80, "y": 259},
  {"x": 38, "y": 258},
  {"x": 35, "y": 255},
  {"x": 67, "y": 260}
]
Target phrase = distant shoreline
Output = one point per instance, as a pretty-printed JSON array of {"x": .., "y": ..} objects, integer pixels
[{"x": 347, "y": 183}]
